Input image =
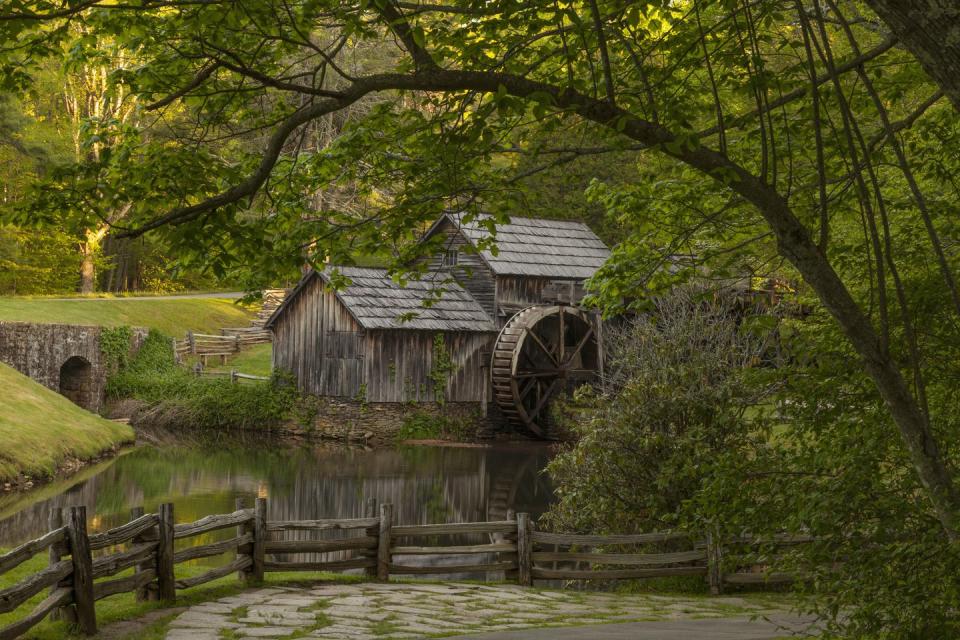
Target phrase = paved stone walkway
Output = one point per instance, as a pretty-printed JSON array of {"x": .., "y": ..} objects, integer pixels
[{"x": 396, "y": 611}]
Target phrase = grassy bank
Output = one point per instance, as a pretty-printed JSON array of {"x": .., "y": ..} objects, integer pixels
[
  {"x": 40, "y": 429},
  {"x": 172, "y": 397},
  {"x": 255, "y": 360},
  {"x": 171, "y": 316},
  {"x": 125, "y": 606}
]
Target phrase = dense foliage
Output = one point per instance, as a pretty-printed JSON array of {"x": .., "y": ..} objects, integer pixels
[
  {"x": 171, "y": 396},
  {"x": 756, "y": 141},
  {"x": 677, "y": 393}
]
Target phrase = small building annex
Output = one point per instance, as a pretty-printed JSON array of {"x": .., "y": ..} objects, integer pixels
[{"x": 376, "y": 341}]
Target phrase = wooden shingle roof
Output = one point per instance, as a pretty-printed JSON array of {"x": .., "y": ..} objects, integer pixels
[
  {"x": 538, "y": 247},
  {"x": 376, "y": 301}
]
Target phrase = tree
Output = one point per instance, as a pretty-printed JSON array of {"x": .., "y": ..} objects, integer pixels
[
  {"x": 676, "y": 394},
  {"x": 930, "y": 29},
  {"x": 769, "y": 109}
]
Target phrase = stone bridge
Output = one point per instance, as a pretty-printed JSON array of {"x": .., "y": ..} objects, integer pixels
[{"x": 63, "y": 357}]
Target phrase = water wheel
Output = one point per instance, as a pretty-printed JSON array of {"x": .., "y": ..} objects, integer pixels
[{"x": 541, "y": 352}]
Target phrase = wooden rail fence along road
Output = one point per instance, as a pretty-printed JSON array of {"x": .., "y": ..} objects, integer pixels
[
  {"x": 205, "y": 345},
  {"x": 141, "y": 556}
]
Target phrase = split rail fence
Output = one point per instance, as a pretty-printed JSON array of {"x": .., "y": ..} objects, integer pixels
[
  {"x": 206, "y": 345},
  {"x": 141, "y": 556}
]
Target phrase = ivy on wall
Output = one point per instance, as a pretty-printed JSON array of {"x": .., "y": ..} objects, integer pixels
[
  {"x": 443, "y": 367},
  {"x": 115, "y": 346}
]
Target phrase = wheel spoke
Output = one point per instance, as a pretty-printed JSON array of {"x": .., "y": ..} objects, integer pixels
[
  {"x": 542, "y": 400},
  {"x": 544, "y": 373},
  {"x": 530, "y": 385},
  {"x": 580, "y": 345},
  {"x": 542, "y": 346},
  {"x": 561, "y": 343}
]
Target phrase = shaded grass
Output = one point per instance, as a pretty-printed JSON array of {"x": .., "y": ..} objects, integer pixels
[
  {"x": 124, "y": 606},
  {"x": 39, "y": 428},
  {"x": 256, "y": 360},
  {"x": 172, "y": 317}
]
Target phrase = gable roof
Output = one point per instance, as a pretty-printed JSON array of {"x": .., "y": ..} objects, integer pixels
[
  {"x": 535, "y": 246},
  {"x": 376, "y": 301}
]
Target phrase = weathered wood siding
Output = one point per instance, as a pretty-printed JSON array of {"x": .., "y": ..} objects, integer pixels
[
  {"x": 471, "y": 272},
  {"x": 398, "y": 365},
  {"x": 318, "y": 340},
  {"x": 515, "y": 293}
]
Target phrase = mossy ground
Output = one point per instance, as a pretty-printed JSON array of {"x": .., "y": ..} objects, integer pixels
[{"x": 40, "y": 429}]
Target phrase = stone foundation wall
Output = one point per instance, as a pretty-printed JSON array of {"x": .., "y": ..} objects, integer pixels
[
  {"x": 63, "y": 357},
  {"x": 351, "y": 420}
]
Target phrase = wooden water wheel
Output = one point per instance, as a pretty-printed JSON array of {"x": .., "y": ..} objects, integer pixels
[{"x": 541, "y": 352}]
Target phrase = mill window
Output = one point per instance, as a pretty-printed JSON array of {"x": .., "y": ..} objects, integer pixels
[{"x": 451, "y": 258}]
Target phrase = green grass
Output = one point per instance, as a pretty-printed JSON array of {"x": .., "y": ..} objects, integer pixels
[
  {"x": 255, "y": 361},
  {"x": 39, "y": 428},
  {"x": 124, "y": 606},
  {"x": 172, "y": 317}
]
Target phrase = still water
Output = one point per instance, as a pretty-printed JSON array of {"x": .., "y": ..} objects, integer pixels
[{"x": 425, "y": 484}]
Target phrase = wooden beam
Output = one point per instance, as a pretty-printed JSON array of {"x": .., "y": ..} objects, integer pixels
[{"x": 82, "y": 571}]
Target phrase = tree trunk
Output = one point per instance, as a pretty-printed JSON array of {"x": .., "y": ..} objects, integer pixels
[
  {"x": 88, "y": 272},
  {"x": 930, "y": 29}
]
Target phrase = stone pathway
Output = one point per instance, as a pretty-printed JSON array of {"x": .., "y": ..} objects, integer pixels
[{"x": 395, "y": 611}]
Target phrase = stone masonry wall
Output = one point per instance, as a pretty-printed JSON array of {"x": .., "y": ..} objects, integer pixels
[
  {"x": 45, "y": 351},
  {"x": 352, "y": 420}
]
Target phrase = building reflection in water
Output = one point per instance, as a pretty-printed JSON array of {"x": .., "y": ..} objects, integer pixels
[{"x": 425, "y": 484}]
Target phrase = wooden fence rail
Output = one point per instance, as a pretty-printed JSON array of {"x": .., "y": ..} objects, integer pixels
[
  {"x": 141, "y": 556},
  {"x": 230, "y": 341},
  {"x": 235, "y": 376}
]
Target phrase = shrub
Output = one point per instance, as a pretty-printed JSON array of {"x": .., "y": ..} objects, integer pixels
[
  {"x": 426, "y": 425},
  {"x": 174, "y": 397},
  {"x": 677, "y": 393}
]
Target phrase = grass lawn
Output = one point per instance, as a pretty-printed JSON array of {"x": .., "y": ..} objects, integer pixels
[
  {"x": 39, "y": 428},
  {"x": 255, "y": 361},
  {"x": 172, "y": 317},
  {"x": 125, "y": 607}
]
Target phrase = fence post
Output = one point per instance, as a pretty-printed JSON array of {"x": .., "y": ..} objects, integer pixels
[
  {"x": 259, "y": 539},
  {"x": 166, "y": 583},
  {"x": 233, "y": 376},
  {"x": 142, "y": 592},
  {"x": 384, "y": 542},
  {"x": 371, "y": 512},
  {"x": 192, "y": 341},
  {"x": 714, "y": 564},
  {"x": 511, "y": 575},
  {"x": 55, "y": 554},
  {"x": 82, "y": 571},
  {"x": 247, "y": 549},
  {"x": 524, "y": 551}
]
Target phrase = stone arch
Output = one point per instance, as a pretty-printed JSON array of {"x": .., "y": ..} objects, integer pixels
[{"x": 77, "y": 382}]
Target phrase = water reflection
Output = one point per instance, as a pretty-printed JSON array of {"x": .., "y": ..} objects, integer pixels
[{"x": 425, "y": 484}]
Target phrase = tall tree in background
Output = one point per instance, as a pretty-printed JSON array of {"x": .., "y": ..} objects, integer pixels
[
  {"x": 779, "y": 132},
  {"x": 100, "y": 109}
]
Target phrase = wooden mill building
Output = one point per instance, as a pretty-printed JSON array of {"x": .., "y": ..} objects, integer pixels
[{"x": 376, "y": 341}]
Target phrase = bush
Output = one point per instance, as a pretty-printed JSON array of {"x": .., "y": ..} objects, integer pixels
[
  {"x": 685, "y": 435},
  {"x": 677, "y": 393},
  {"x": 174, "y": 397},
  {"x": 424, "y": 425}
]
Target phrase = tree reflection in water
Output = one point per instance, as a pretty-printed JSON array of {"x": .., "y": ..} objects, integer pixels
[{"x": 425, "y": 484}]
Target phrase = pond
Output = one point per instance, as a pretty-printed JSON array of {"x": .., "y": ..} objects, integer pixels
[{"x": 425, "y": 484}]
